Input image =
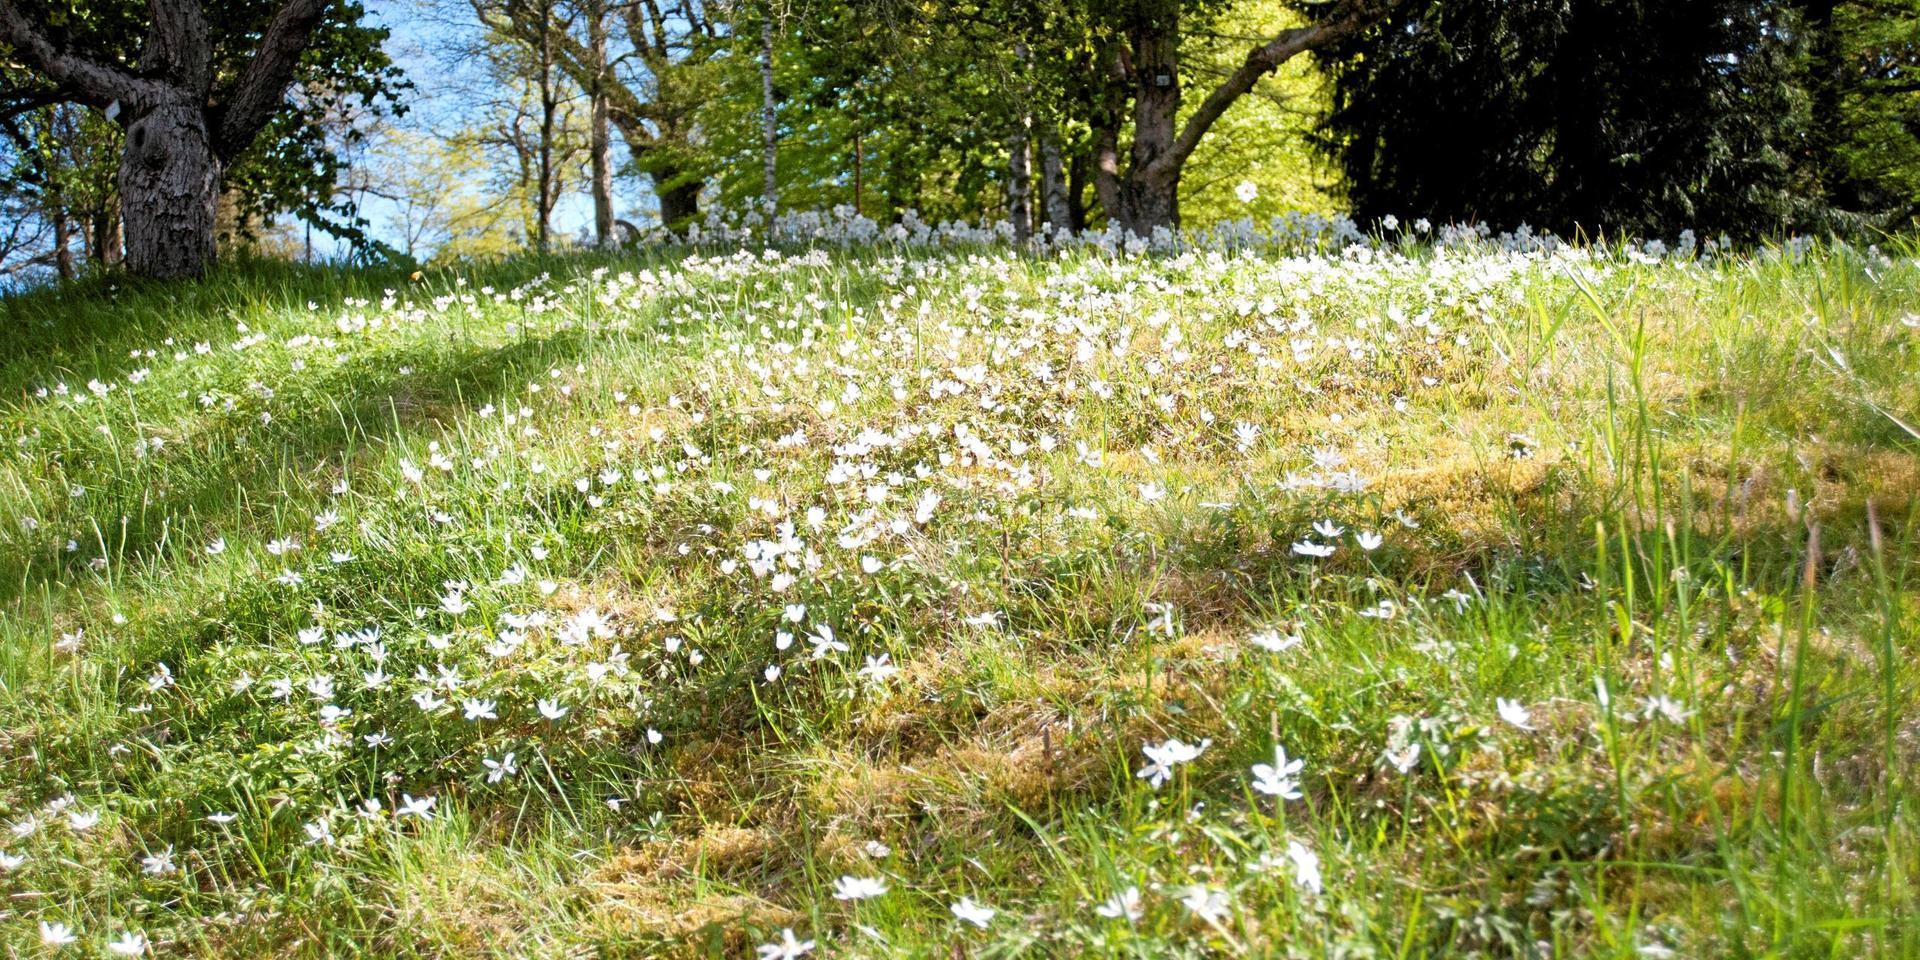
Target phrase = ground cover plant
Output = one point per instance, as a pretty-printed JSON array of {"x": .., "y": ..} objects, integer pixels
[{"x": 1418, "y": 594}]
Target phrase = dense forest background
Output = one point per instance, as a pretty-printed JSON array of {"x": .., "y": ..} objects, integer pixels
[{"x": 432, "y": 130}]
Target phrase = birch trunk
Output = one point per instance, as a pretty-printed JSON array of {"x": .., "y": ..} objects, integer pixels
[
  {"x": 1019, "y": 183},
  {"x": 1054, "y": 207},
  {"x": 768, "y": 132}
]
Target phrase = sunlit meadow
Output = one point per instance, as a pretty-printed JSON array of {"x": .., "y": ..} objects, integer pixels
[{"x": 900, "y": 593}]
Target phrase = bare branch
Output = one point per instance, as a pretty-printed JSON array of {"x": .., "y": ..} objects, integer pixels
[{"x": 624, "y": 107}]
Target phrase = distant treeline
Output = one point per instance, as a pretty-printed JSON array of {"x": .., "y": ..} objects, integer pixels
[{"x": 1744, "y": 117}]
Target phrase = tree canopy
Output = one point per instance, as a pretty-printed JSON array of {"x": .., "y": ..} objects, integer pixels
[
  {"x": 1641, "y": 116},
  {"x": 1745, "y": 117}
]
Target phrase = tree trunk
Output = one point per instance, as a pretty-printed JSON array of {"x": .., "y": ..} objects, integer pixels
[
  {"x": 1105, "y": 160},
  {"x": 768, "y": 130},
  {"x": 1019, "y": 163},
  {"x": 1077, "y": 176},
  {"x": 1019, "y": 183},
  {"x": 169, "y": 186},
  {"x": 105, "y": 247},
  {"x": 601, "y": 138},
  {"x": 1149, "y": 194},
  {"x": 1106, "y": 171},
  {"x": 1827, "y": 69},
  {"x": 1053, "y": 181},
  {"x": 1148, "y": 201},
  {"x": 62, "y": 244},
  {"x": 181, "y": 132}
]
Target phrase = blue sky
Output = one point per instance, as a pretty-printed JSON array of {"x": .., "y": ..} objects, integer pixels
[{"x": 419, "y": 32}]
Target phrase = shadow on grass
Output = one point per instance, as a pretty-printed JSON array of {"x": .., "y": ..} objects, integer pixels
[
  {"x": 367, "y": 405},
  {"x": 1230, "y": 571},
  {"x": 91, "y": 327}
]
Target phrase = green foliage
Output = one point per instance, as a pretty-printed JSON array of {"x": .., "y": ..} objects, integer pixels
[
  {"x": 345, "y": 81},
  {"x": 1749, "y": 117},
  {"x": 445, "y": 204},
  {"x": 924, "y": 103},
  {"x": 60, "y": 160},
  {"x": 1864, "y": 80},
  {"x": 932, "y": 98},
  {"x": 1625, "y": 116},
  {"x": 1265, "y": 139}
]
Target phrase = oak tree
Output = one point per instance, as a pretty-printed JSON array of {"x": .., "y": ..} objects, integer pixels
[{"x": 194, "y": 86}]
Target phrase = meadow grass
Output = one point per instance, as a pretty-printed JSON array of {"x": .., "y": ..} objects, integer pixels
[{"x": 637, "y": 605}]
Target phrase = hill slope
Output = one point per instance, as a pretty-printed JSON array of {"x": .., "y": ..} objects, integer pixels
[{"x": 961, "y": 602}]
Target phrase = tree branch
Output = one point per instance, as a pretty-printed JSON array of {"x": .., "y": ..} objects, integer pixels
[
  {"x": 517, "y": 22},
  {"x": 80, "y": 78},
  {"x": 15, "y": 104},
  {"x": 658, "y": 43},
  {"x": 695, "y": 13},
  {"x": 1350, "y": 17},
  {"x": 252, "y": 99}
]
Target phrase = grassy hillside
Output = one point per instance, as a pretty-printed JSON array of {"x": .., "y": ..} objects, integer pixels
[{"x": 959, "y": 603}]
